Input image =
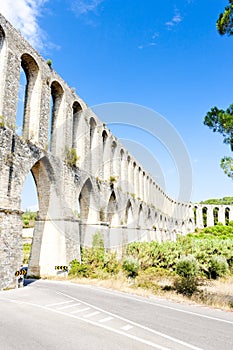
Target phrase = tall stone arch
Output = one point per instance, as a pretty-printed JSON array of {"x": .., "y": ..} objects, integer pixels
[
  {"x": 56, "y": 137},
  {"x": 76, "y": 115},
  {"x": 49, "y": 242},
  {"x": 129, "y": 218},
  {"x": 2, "y": 67},
  {"x": 31, "y": 111},
  {"x": 94, "y": 146},
  {"x": 112, "y": 210}
]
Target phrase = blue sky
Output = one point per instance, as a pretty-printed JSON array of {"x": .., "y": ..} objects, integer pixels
[{"x": 164, "y": 55}]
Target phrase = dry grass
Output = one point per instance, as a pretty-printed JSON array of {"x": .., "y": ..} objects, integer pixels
[{"x": 218, "y": 293}]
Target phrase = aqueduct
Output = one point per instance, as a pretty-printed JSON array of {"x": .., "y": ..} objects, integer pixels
[{"x": 116, "y": 196}]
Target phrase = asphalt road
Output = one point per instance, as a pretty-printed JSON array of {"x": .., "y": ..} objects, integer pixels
[{"x": 65, "y": 316}]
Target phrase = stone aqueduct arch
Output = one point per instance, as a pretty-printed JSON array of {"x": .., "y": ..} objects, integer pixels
[{"x": 116, "y": 196}]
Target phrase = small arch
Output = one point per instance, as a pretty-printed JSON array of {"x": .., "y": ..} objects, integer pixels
[
  {"x": 204, "y": 216},
  {"x": 93, "y": 126},
  {"x": 85, "y": 200},
  {"x": 227, "y": 216},
  {"x": 195, "y": 215},
  {"x": 122, "y": 154},
  {"x": 215, "y": 214},
  {"x": 3, "y": 57},
  {"x": 104, "y": 137},
  {"x": 113, "y": 147},
  {"x": 29, "y": 99},
  {"x": 2, "y": 37},
  {"x": 112, "y": 216},
  {"x": 76, "y": 112},
  {"x": 57, "y": 93},
  {"x": 129, "y": 213},
  {"x": 140, "y": 214}
]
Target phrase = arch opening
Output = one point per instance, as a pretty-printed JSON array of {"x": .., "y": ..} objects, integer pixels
[
  {"x": 215, "y": 214},
  {"x": 76, "y": 112},
  {"x": 227, "y": 216},
  {"x": 129, "y": 214},
  {"x": 55, "y": 122},
  {"x": 93, "y": 126},
  {"x": 28, "y": 99},
  {"x": 204, "y": 216},
  {"x": 112, "y": 215},
  {"x": 47, "y": 245},
  {"x": 85, "y": 199},
  {"x": 2, "y": 64}
]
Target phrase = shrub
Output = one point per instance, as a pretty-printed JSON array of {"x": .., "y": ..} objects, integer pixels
[
  {"x": 81, "y": 270},
  {"x": 186, "y": 285},
  {"x": 218, "y": 266},
  {"x": 131, "y": 266},
  {"x": 70, "y": 156},
  {"x": 111, "y": 264},
  {"x": 187, "y": 266}
]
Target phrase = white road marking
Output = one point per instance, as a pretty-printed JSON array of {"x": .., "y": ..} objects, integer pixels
[
  {"x": 143, "y": 341},
  {"x": 67, "y": 306},
  {"x": 80, "y": 310},
  {"x": 106, "y": 319},
  {"x": 62, "y": 302},
  {"x": 127, "y": 327},
  {"x": 92, "y": 314},
  {"x": 175, "y": 340}
]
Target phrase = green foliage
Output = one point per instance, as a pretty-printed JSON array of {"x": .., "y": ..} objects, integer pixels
[
  {"x": 186, "y": 285},
  {"x": 70, "y": 156},
  {"x": 221, "y": 121},
  {"x": 131, "y": 266},
  {"x": 49, "y": 63},
  {"x": 187, "y": 266},
  {"x": 218, "y": 231},
  {"x": 218, "y": 266},
  {"x": 227, "y": 166},
  {"x": 96, "y": 263},
  {"x": 29, "y": 218},
  {"x": 219, "y": 201},
  {"x": 224, "y": 23},
  {"x": 2, "y": 121},
  {"x": 26, "y": 252},
  {"x": 112, "y": 179},
  {"x": 80, "y": 270}
]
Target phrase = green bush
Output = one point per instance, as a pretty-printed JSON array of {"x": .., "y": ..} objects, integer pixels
[
  {"x": 186, "y": 285},
  {"x": 111, "y": 264},
  {"x": 187, "y": 266},
  {"x": 218, "y": 266},
  {"x": 70, "y": 156},
  {"x": 26, "y": 252},
  {"x": 79, "y": 270},
  {"x": 131, "y": 266}
]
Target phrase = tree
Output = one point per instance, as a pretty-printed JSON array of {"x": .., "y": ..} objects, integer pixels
[
  {"x": 222, "y": 121},
  {"x": 218, "y": 119},
  {"x": 224, "y": 23}
]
